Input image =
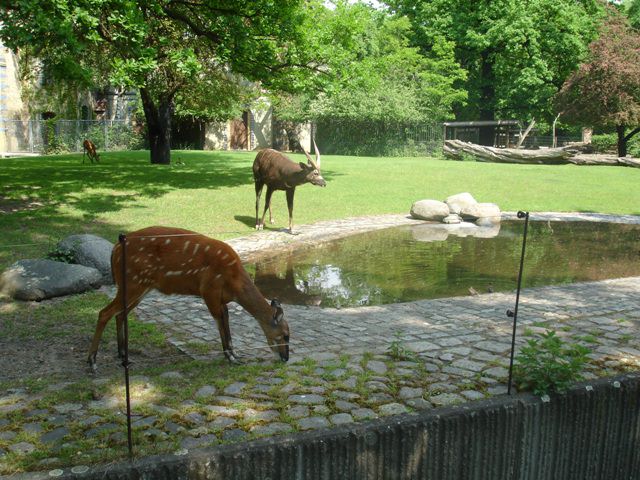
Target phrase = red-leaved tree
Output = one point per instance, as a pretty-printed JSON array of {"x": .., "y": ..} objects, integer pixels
[{"x": 605, "y": 90}]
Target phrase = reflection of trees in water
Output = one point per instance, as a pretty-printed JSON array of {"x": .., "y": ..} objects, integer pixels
[
  {"x": 391, "y": 266},
  {"x": 277, "y": 282}
]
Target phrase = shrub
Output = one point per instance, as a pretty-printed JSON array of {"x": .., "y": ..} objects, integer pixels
[{"x": 549, "y": 364}]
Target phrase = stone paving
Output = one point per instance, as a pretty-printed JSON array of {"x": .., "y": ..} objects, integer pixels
[{"x": 341, "y": 371}]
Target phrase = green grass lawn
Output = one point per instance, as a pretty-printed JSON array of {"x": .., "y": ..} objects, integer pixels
[{"x": 212, "y": 192}]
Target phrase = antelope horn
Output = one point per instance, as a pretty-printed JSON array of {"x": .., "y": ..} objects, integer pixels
[
  {"x": 310, "y": 160},
  {"x": 317, "y": 153}
]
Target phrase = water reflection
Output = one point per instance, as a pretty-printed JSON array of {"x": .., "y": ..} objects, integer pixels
[{"x": 427, "y": 261}]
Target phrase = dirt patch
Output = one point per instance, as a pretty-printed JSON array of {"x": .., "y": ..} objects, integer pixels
[
  {"x": 37, "y": 344},
  {"x": 11, "y": 205}
]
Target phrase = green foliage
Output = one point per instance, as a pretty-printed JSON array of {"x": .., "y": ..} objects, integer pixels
[
  {"x": 605, "y": 91},
  {"x": 516, "y": 54},
  {"x": 371, "y": 72},
  {"x": 397, "y": 350},
  {"x": 61, "y": 255},
  {"x": 548, "y": 364},
  {"x": 604, "y": 142}
]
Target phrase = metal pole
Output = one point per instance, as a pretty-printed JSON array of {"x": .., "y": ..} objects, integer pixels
[
  {"x": 514, "y": 314},
  {"x": 125, "y": 362}
]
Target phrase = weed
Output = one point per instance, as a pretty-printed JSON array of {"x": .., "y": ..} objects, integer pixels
[
  {"x": 549, "y": 364},
  {"x": 398, "y": 350}
]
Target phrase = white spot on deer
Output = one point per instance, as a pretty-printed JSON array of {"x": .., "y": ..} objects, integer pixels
[
  {"x": 167, "y": 241},
  {"x": 185, "y": 246},
  {"x": 153, "y": 239},
  {"x": 232, "y": 263},
  {"x": 135, "y": 260},
  {"x": 195, "y": 248},
  {"x": 218, "y": 276},
  {"x": 225, "y": 256},
  {"x": 173, "y": 273},
  {"x": 206, "y": 249},
  {"x": 135, "y": 278},
  {"x": 158, "y": 259},
  {"x": 189, "y": 272},
  {"x": 141, "y": 249}
]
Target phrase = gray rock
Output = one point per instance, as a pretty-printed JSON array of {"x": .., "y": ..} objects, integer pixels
[
  {"x": 481, "y": 210},
  {"x": 101, "y": 429},
  {"x": 205, "y": 392},
  {"x": 266, "y": 415},
  {"x": 392, "y": 409},
  {"x": 173, "y": 427},
  {"x": 472, "y": 394},
  {"x": 312, "y": 423},
  {"x": 2, "y": 453},
  {"x": 220, "y": 410},
  {"x": 344, "y": 406},
  {"x": 418, "y": 403},
  {"x": 271, "y": 428},
  {"x": 363, "y": 414},
  {"x": 221, "y": 422},
  {"x": 311, "y": 399},
  {"x": 234, "y": 435},
  {"x": 7, "y": 436},
  {"x": 429, "y": 210},
  {"x": 145, "y": 422},
  {"x": 452, "y": 218},
  {"x": 460, "y": 202},
  {"x": 299, "y": 411},
  {"x": 446, "y": 399},
  {"x": 22, "y": 448},
  {"x": 377, "y": 367},
  {"x": 90, "y": 251},
  {"x": 41, "y": 279},
  {"x": 194, "y": 418},
  {"x": 33, "y": 427},
  {"x": 408, "y": 392},
  {"x": 341, "y": 418},
  {"x": 172, "y": 375},
  {"x": 67, "y": 407},
  {"x": 234, "y": 388},
  {"x": 190, "y": 442},
  {"x": 54, "y": 435}
]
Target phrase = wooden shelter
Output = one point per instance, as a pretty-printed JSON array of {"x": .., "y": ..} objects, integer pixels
[{"x": 492, "y": 133}]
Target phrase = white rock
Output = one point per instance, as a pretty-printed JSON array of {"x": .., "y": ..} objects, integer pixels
[
  {"x": 481, "y": 210},
  {"x": 452, "y": 218},
  {"x": 459, "y": 202},
  {"x": 429, "y": 210}
]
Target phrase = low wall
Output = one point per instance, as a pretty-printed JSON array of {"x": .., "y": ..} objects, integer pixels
[{"x": 588, "y": 433}]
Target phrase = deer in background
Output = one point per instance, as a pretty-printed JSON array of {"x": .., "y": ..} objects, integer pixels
[
  {"x": 177, "y": 261},
  {"x": 89, "y": 149},
  {"x": 277, "y": 172}
]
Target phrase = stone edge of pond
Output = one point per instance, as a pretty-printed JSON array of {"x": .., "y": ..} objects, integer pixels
[{"x": 258, "y": 244}]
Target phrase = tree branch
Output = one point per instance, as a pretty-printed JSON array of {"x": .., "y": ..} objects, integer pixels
[{"x": 631, "y": 134}]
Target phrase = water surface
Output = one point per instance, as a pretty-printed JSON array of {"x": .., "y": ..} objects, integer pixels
[{"x": 419, "y": 262}]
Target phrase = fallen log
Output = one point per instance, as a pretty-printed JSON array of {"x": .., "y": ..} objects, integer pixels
[{"x": 574, "y": 153}]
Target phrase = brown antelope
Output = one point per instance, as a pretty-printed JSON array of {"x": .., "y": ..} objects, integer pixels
[
  {"x": 89, "y": 149},
  {"x": 277, "y": 172},
  {"x": 177, "y": 261}
]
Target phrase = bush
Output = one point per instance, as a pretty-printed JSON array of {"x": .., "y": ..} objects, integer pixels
[
  {"x": 605, "y": 143},
  {"x": 548, "y": 364}
]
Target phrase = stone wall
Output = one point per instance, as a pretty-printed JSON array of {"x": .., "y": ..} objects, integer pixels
[{"x": 592, "y": 432}]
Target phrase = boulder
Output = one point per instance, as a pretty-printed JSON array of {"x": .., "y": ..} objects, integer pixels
[
  {"x": 452, "y": 218},
  {"x": 481, "y": 210},
  {"x": 41, "y": 279},
  {"x": 90, "y": 251},
  {"x": 460, "y": 202},
  {"x": 429, "y": 210}
]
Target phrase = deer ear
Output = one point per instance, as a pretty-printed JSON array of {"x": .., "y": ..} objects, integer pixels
[
  {"x": 278, "y": 313},
  {"x": 303, "y": 165}
]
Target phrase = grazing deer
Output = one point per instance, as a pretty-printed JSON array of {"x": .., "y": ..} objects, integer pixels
[
  {"x": 89, "y": 149},
  {"x": 277, "y": 172},
  {"x": 177, "y": 261}
]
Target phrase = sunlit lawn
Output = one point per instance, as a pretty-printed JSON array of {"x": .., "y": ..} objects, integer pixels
[{"x": 212, "y": 192}]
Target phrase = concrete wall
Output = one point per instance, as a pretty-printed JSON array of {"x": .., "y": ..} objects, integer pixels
[
  {"x": 216, "y": 136},
  {"x": 586, "y": 434}
]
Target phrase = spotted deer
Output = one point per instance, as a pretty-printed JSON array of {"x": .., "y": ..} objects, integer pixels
[
  {"x": 278, "y": 172},
  {"x": 177, "y": 261},
  {"x": 89, "y": 150}
]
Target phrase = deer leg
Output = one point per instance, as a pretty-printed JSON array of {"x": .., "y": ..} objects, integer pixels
[
  {"x": 114, "y": 308},
  {"x": 259, "y": 185},
  {"x": 120, "y": 325},
  {"x": 267, "y": 204},
  {"x": 290, "y": 193},
  {"x": 220, "y": 314}
]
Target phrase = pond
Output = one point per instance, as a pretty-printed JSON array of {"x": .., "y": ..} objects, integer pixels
[{"x": 433, "y": 261}]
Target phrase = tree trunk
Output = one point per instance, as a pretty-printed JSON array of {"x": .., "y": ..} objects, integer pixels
[
  {"x": 158, "y": 127},
  {"x": 622, "y": 141}
]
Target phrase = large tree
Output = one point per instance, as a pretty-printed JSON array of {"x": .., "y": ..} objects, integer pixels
[
  {"x": 517, "y": 54},
  {"x": 372, "y": 73},
  {"x": 605, "y": 90},
  {"x": 191, "y": 51}
]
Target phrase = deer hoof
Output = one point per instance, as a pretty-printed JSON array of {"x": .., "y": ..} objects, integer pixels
[{"x": 92, "y": 365}]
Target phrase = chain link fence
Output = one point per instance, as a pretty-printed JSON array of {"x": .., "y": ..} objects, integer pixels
[{"x": 57, "y": 136}]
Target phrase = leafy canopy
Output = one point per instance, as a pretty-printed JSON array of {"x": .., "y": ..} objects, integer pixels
[
  {"x": 517, "y": 54},
  {"x": 371, "y": 72}
]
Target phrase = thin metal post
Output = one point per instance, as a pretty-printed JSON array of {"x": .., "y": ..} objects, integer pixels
[
  {"x": 125, "y": 362},
  {"x": 514, "y": 314}
]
